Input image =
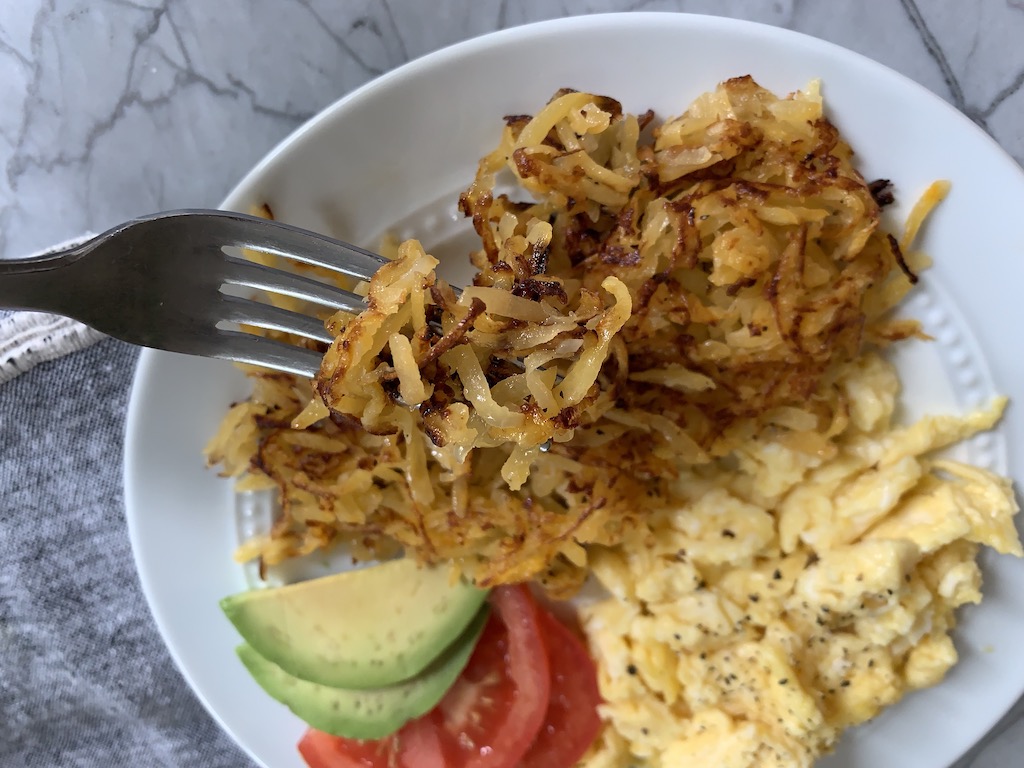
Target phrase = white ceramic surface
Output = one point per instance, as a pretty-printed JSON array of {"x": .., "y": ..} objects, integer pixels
[{"x": 395, "y": 153}]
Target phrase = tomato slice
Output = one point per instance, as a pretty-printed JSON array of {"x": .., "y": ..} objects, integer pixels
[
  {"x": 527, "y": 698},
  {"x": 488, "y": 719},
  {"x": 322, "y": 750},
  {"x": 496, "y": 708},
  {"x": 571, "y": 723},
  {"x": 419, "y": 746},
  {"x": 411, "y": 747}
]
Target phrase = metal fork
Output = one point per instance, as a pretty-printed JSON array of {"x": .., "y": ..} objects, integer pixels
[{"x": 163, "y": 281}]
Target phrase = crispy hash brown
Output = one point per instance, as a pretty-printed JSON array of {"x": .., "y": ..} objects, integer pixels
[{"x": 668, "y": 294}]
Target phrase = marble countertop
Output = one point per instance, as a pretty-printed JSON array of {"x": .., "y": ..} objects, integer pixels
[{"x": 116, "y": 108}]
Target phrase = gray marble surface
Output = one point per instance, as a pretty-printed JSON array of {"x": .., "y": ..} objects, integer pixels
[{"x": 114, "y": 108}]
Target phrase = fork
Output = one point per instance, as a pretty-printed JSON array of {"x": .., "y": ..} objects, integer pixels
[{"x": 164, "y": 281}]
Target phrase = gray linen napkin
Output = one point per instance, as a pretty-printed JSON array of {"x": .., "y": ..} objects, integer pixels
[{"x": 85, "y": 680}]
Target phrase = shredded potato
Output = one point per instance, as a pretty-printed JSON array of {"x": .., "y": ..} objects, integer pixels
[{"x": 668, "y": 294}]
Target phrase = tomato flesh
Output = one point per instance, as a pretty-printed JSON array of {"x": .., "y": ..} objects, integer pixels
[
  {"x": 322, "y": 750},
  {"x": 571, "y": 722},
  {"x": 419, "y": 746},
  {"x": 495, "y": 709}
]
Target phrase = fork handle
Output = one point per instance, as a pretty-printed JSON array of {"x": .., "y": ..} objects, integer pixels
[{"x": 34, "y": 283}]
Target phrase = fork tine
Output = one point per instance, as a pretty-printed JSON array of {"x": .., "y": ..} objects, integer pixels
[
  {"x": 249, "y": 312},
  {"x": 291, "y": 242},
  {"x": 252, "y": 275},
  {"x": 241, "y": 347}
]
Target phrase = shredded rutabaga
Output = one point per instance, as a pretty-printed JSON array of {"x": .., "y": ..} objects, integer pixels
[{"x": 664, "y": 294}]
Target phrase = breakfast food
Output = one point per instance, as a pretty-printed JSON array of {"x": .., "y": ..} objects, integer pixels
[
  {"x": 726, "y": 269},
  {"x": 388, "y": 623},
  {"x": 667, "y": 375},
  {"x": 396, "y": 639},
  {"x": 795, "y": 596}
]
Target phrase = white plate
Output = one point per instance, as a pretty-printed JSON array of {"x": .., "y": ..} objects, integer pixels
[{"x": 395, "y": 153}]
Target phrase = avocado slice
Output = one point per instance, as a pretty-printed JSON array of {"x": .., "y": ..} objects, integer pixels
[
  {"x": 369, "y": 628},
  {"x": 369, "y": 713}
]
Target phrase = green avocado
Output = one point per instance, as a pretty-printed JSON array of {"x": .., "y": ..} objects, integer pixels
[
  {"x": 369, "y": 628},
  {"x": 368, "y": 713}
]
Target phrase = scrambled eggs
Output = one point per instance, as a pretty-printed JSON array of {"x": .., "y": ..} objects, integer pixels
[{"x": 789, "y": 595}]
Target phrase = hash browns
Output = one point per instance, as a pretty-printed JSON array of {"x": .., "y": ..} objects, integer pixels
[{"x": 750, "y": 254}]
